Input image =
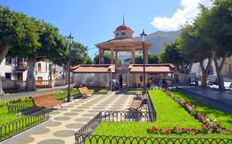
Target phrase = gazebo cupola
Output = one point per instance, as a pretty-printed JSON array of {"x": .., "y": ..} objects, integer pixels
[{"x": 123, "y": 31}]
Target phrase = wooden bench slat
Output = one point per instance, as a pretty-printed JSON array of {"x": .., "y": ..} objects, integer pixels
[
  {"x": 85, "y": 91},
  {"x": 46, "y": 100}
]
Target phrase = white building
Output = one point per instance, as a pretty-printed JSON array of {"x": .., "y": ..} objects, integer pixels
[{"x": 15, "y": 71}]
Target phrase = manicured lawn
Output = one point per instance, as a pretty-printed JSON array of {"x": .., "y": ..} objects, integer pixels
[
  {"x": 61, "y": 95},
  {"x": 99, "y": 90},
  {"x": 5, "y": 116},
  {"x": 139, "y": 129},
  {"x": 169, "y": 114},
  {"x": 225, "y": 119}
]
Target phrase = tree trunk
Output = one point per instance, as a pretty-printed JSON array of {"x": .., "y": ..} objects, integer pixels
[
  {"x": 206, "y": 70},
  {"x": 219, "y": 67},
  {"x": 184, "y": 70},
  {"x": 204, "y": 78},
  {"x": 3, "y": 51},
  {"x": 220, "y": 81},
  {"x": 1, "y": 90},
  {"x": 30, "y": 81}
]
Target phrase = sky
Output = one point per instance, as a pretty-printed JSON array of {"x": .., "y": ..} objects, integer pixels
[{"x": 93, "y": 21}]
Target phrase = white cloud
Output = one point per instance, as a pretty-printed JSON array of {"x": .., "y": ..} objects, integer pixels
[{"x": 189, "y": 10}]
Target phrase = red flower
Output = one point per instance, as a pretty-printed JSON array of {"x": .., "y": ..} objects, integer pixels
[
  {"x": 167, "y": 131},
  {"x": 205, "y": 125},
  {"x": 188, "y": 129},
  {"x": 195, "y": 132}
]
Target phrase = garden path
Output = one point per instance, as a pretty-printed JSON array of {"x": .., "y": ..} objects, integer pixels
[{"x": 64, "y": 122}]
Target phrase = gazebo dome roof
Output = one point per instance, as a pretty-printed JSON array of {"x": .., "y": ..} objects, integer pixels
[{"x": 123, "y": 27}]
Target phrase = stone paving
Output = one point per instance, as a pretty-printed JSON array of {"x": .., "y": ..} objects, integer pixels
[
  {"x": 64, "y": 122},
  {"x": 17, "y": 95}
]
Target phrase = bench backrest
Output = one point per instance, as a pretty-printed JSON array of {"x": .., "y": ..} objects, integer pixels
[
  {"x": 84, "y": 90},
  {"x": 40, "y": 100},
  {"x": 137, "y": 104}
]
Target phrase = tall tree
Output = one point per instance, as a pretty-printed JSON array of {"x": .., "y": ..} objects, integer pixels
[
  {"x": 88, "y": 60},
  {"x": 53, "y": 46},
  {"x": 152, "y": 59},
  {"x": 107, "y": 58},
  {"x": 196, "y": 48},
  {"x": 171, "y": 54},
  {"x": 77, "y": 54},
  {"x": 18, "y": 34},
  {"x": 216, "y": 25}
]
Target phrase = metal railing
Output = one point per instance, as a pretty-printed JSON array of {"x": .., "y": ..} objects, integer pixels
[
  {"x": 104, "y": 139},
  {"x": 43, "y": 83},
  {"x": 126, "y": 115},
  {"x": 19, "y": 106},
  {"x": 151, "y": 109},
  {"x": 14, "y": 127},
  {"x": 85, "y": 131}
]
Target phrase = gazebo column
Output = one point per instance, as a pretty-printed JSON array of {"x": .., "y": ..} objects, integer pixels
[
  {"x": 146, "y": 56},
  {"x": 112, "y": 56},
  {"x": 133, "y": 56},
  {"x": 116, "y": 57},
  {"x": 101, "y": 56}
]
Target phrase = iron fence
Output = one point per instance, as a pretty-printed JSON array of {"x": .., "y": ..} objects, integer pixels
[
  {"x": 14, "y": 127},
  {"x": 126, "y": 115},
  {"x": 151, "y": 109},
  {"x": 19, "y": 106},
  {"x": 85, "y": 131},
  {"x": 104, "y": 139}
]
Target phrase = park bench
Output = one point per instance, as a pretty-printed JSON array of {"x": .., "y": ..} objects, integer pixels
[
  {"x": 84, "y": 91},
  {"x": 137, "y": 104},
  {"x": 47, "y": 100}
]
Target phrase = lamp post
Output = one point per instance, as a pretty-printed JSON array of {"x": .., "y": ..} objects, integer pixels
[
  {"x": 70, "y": 37},
  {"x": 143, "y": 35}
]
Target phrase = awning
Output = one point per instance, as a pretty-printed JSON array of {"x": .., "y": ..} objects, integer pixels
[
  {"x": 93, "y": 69},
  {"x": 149, "y": 68}
]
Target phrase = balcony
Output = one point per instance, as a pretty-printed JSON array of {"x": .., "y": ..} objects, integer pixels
[{"x": 20, "y": 67}]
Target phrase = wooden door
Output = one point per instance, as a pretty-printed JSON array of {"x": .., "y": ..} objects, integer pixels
[{"x": 39, "y": 81}]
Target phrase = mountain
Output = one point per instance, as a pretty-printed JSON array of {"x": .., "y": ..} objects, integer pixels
[{"x": 159, "y": 38}]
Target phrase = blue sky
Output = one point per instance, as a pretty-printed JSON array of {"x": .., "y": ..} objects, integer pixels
[{"x": 93, "y": 21}]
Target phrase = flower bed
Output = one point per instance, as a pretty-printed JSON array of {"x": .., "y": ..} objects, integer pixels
[
  {"x": 174, "y": 130},
  {"x": 208, "y": 125}
]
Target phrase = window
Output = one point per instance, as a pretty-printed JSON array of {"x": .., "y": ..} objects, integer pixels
[
  {"x": 20, "y": 76},
  {"x": 39, "y": 67},
  {"x": 123, "y": 33},
  {"x": 8, "y": 75},
  {"x": 116, "y": 34}
]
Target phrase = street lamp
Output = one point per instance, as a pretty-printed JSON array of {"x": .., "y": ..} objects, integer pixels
[
  {"x": 70, "y": 38},
  {"x": 144, "y": 35}
]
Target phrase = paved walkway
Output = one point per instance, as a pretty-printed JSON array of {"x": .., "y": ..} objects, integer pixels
[
  {"x": 220, "y": 100},
  {"x": 7, "y": 97},
  {"x": 65, "y": 121}
]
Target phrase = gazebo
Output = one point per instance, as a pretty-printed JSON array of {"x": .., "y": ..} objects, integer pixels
[
  {"x": 123, "y": 42},
  {"x": 132, "y": 74}
]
